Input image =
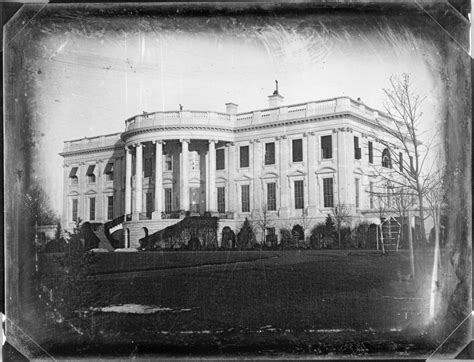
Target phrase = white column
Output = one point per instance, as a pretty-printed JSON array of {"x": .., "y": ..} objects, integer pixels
[
  {"x": 256, "y": 162},
  {"x": 212, "y": 176},
  {"x": 138, "y": 179},
  {"x": 230, "y": 167},
  {"x": 284, "y": 189},
  {"x": 128, "y": 182},
  {"x": 345, "y": 162},
  {"x": 184, "y": 195},
  {"x": 158, "y": 180},
  {"x": 311, "y": 149}
]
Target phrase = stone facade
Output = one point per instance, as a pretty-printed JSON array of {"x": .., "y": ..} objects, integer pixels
[{"x": 293, "y": 164}]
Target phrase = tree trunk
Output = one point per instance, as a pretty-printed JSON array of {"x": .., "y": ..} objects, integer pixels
[
  {"x": 410, "y": 244},
  {"x": 422, "y": 217},
  {"x": 434, "y": 276}
]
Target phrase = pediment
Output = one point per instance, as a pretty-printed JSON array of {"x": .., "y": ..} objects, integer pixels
[
  {"x": 243, "y": 178},
  {"x": 326, "y": 170},
  {"x": 91, "y": 192},
  {"x": 269, "y": 175},
  {"x": 73, "y": 193},
  {"x": 297, "y": 173}
]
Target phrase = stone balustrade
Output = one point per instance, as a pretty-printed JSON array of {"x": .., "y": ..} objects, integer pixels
[
  {"x": 92, "y": 142},
  {"x": 268, "y": 115}
]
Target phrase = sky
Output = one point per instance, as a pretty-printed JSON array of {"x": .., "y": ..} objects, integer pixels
[{"x": 89, "y": 80}]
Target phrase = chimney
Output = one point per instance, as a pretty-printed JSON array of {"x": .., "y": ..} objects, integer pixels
[
  {"x": 275, "y": 100},
  {"x": 231, "y": 108}
]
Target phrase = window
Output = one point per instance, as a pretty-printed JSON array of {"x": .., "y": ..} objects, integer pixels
[
  {"x": 245, "y": 198},
  {"x": 168, "y": 200},
  {"x": 357, "y": 194},
  {"x": 271, "y": 236},
  {"x": 299, "y": 194},
  {"x": 148, "y": 203},
  {"x": 92, "y": 208},
  {"x": 357, "y": 150},
  {"x": 221, "y": 200},
  {"x": 386, "y": 160},
  {"x": 412, "y": 169},
  {"x": 168, "y": 162},
  {"x": 109, "y": 172},
  {"x": 326, "y": 147},
  {"x": 74, "y": 209},
  {"x": 400, "y": 161},
  {"x": 371, "y": 195},
  {"x": 270, "y": 153},
  {"x": 271, "y": 196},
  {"x": 298, "y": 150},
  {"x": 73, "y": 176},
  {"x": 328, "y": 192},
  {"x": 110, "y": 207},
  {"x": 220, "y": 159},
  {"x": 371, "y": 152},
  {"x": 147, "y": 172},
  {"x": 244, "y": 156},
  {"x": 90, "y": 174}
]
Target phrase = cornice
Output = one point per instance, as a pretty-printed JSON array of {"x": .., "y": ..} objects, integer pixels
[
  {"x": 145, "y": 130},
  {"x": 92, "y": 150},
  {"x": 231, "y": 130}
]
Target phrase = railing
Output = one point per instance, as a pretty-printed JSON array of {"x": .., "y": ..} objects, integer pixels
[
  {"x": 264, "y": 115},
  {"x": 91, "y": 142}
]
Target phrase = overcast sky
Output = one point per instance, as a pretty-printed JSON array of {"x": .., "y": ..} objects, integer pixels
[{"x": 89, "y": 83}]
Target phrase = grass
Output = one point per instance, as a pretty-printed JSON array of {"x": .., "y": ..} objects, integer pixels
[{"x": 313, "y": 302}]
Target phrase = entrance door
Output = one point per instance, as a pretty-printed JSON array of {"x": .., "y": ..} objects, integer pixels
[{"x": 194, "y": 199}]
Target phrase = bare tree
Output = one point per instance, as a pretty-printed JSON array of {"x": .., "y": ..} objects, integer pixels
[
  {"x": 435, "y": 199},
  {"x": 403, "y": 202},
  {"x": 341, "y": 215},
  {"x": 403, "y": 106},
  {"x": 262, "y": 219}
]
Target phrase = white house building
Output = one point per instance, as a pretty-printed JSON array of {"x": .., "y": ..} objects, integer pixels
[{"x": 294, "y": 161}]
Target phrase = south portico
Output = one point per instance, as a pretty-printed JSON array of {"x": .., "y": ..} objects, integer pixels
[{"x": 183, "y": 178}]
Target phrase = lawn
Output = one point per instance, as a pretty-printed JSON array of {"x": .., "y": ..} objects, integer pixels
[{"x": 346, "y": 302}]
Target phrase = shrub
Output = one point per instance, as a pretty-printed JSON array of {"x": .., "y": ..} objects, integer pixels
[
  {"x": 177, "y": 235},
  {"x": 286, "y": 238},
  {"x": 246, "y": 236},
  {"x": 228, "y": 238},
  {"x": 330, "y": 227},
  {"x": 361, "y": 236},
  {"x": 317, "y": 236},
  {"x": 346, "y": 238}
]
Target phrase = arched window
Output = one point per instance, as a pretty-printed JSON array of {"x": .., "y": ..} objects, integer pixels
[{"x": 386, "y": 160}]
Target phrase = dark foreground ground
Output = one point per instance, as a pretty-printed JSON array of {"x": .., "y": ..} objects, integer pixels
[{"x": 275, "y": 302}]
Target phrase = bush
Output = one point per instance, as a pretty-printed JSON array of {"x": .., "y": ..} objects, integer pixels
[
  {"x": 361, "y": 236},
  {"x": 66, "y": 292},
  {"x": 286, "y": 238},
  {"x": 178, "y": 235},
  {"x": 346, "y": 238},
  {"x": 246, "y": 236},
  {"x": 316, "y": 239},
  {"x": 228, "y": 238}
]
